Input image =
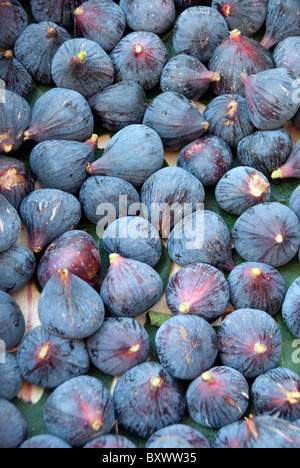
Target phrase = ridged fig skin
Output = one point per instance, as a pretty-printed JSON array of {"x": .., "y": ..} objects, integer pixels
[
  {"x": 229, "y": 118},
  {"x": 265, "y": 151},
  {"x": 110, "y": 441},
  {"x": 250, "y": 342},
  {"x": 10, "y": 223},
  {"x": 105, "y": 190},
  {"x": 103, "y": 22},
  {"x": 13, "y": 427},
  {"x": 130, "y": 288},
  {"x": 78, "y": 311},
  {"x": 130, "y": 346},
  {"x": 48, "y": 361},
  {"x": 12, "y": 322},
  {"x": 202, "y": 237},
  {"x": 241, "y": 188},
  {"x": 267, "y": 233},
  {"x": 13, "y": 21},
  {"x": 47, "y": 214},
  {"x": 246, "y": 15},
  {"x": 218, "y": 397},
  {"x": 16, "y": 180},
  {"x": 177, "y": 436},
  {"x": 186, "y": 346},
  {"x": 60, "y": 114},
  {"x": 270, "y": 97},
  {"x": 66, "y": 173},
  {"x": 132, "y": 154},
  {"x": 207, "y": 158},
  {"x": 75, "y": 251},
  {"x": 14, "y": 120},
  {"x": 169, "y": 195},
  {"x": 17, "y": 267},
  {"x": 88, "y": 74},
  {"x": 79, "y": 411},
  {"x": 277, "y": 394},
  {"x": 295, "y": 202},
  {"x": 147, "y": 398},
  {"x": 176, "y": 119},
  {"x": 261, "y": 432},
  {"x": 58, "y": 11},
  {"x": 198, "y": 289},
  {"x": 15, "y": 76},
  {"x": 157, "y": 16},
  {"x": 133, "y": 237},
  {"x": 140, "y": 56},
  {"x": 36, "y": 48},
  {"x": 237, "y": 54},
  {"x": 291, "y": 167},
  {"x": 287, "y": 54},
  {"x": 10, "y": 378},
  {"x": 282, "y": 21},
  {"x": 119, "y": 105},
  {"x": 255, "y": 285},
  {"x": 291, "y": 309},
  {"x": 46, "y": 441},
  {"x": 198, "y": 31}
]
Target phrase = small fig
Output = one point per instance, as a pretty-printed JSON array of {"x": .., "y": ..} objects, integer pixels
[
  {"x": 10, "y": 225},
  {"x": 14, "y": 120},
  {"x": 17, "y": 266},
  {"x": 14, "y": 75},
  {"x": 15, "y": 180}
]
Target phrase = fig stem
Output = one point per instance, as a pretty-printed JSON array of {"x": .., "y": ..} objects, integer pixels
[
  {"x": 206, "y": 377},
  {"x": 156, "y": 382},
  {"x": 82, "y": 55},
  {"x": 113, "y": 257},
  {"x": 277, "y": 174},
  {"x": 183, "y": 308},
  {"x": 260, "y": 348}
]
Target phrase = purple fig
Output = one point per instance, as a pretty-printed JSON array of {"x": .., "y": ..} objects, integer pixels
[
  {"x": 14, "y": 120},
  {"x": 287, "y": 54},
  {"x": 58, "y": 11},
  {"x": 291, "y": 168},
  {"x": 157, "y": 16},
  {"x": 15, "y": 180},
  {"x": 14, "y": 75},
  {"x": 10, "y": 225},
  {"x": 283, "y": 20},
  {"x": 13, "y": 21}
]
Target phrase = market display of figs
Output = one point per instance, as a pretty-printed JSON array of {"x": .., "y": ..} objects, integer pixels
[{"x": 150, "y": 224}]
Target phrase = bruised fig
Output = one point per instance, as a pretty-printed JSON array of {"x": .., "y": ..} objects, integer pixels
[
  {"x": 237, "y": 54},
  {"x": 10, "y": 224},
  {"x": 246, "y": 15},
  {"x": 13, "y": 21},
  {"x": 14, "y": 120},
  {"x": 69, "y": 307},
  {"x": 60, "y": 114},
  {"x": 157, "y": 16},
  {"x": 36, "y": 48},
  {"x": 176, "y": 119},
  {"x": 14, "y": 75},
  {"x": 67, "y": 172},
  {"x": 58, "y": 11},
  {"x": 15, "y": 180},
  {"x": 291, "y": 167},
  {"x": 130, "y": 288},
  {"x": 17, "y": 266},
  {"x": 75, "y": 251},
  {"x": 283, "y": 20},
  {"x": 287, "y": 54},
  {"x": 47, "y": 214}
]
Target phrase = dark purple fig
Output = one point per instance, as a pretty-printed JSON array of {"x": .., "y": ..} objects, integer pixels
[
  {"x": 208, "y": 159},
  {"x": 133, "y": 154},
  {"x": 47, "y": 214},
  {"x": 66, "y": 173},
  {"x": 291, "y": 309},
  {"x": 140, "y": 56},
  {"x": 296, "y": 119},
  {"x": 265, "y": 151},
  {"x": 198, "y": 31},
  {"x": 12, "y": 322},
  {"x": 198, "y": 289},
  {"x": 130, "y": 345},
  {"x": 10, "y": 225},
  {"x": 69, "y": 307},
  {"x": 60, "y": 114},
  {"x": 15, "y": 180},
  {"x": 178, "y": 434},
  {"x": 36, "y": 48},
  {"x": 193, "y": 80},
  {"x": 202, "y": 237},
  {"x": 237, "y": 54},
  {"x": 241, "y": 188},
  {"x": 246, "y": 15},
  {"x": 176, "y": 119},
  {"x": 130, "y": 288},
  {"x": 14, "y": 120},
  {"x": 10, "y": 377},
  {"x": 103, "y": 22},
  {"x": 75, "y": 251},
  {"x": 258, "y": 286},
  {"x": 46, "y": 441},
  {"x": 157, "y": 16},
  {"x": 183, "y": 4},
  {"x": 13, "y": 21},
  {"x": 228, "y": 118},
  {"x": 267, "y": 233},
  {"x": 287, "y": 54},
  {"x": 270, "y": 97},
  {"x": 14, "y": 75},
  {"x": 13, "y": 427},
  {"x": 82, "y": 65},
  {"x": 283, "y": 20},
  {"x": 169, "y": 195},
  {"x": 58, "y": 11},
  {"x": 17, "y": 266},
  {"x": 110, "y": 441},
  {"x": 291, "y": 167},
  {"x": 295, "y": 201}
]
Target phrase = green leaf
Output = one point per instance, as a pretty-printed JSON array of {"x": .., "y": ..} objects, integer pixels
[{"x": 158, "y": 319}]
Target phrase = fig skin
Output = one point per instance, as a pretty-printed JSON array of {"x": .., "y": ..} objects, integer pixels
[
  {"x": 291, "y": 310},
  {"x": 10, "y": 378},
  {"x": 15, "y": 76},
  {"x": 10, "y": 225},
  {"x": 287, "y": 54},
  {"x": 17, "y": 267},
  {"x": 11, "y": 320},
  {"x": 57, "y": 11},
  {"x": 110, "y": 441},
  {"x": 46, "y": 441},
  {"x": 16, "y": 180},
  {"x": 157, "y": 16},
  {"x": 295, "y": 202},
  {"x": 180, "y": 433},
  {"x": 291, "y": 167},
  {"x": 283, "y": 20},
  {"x": 13, "y": 427},
  {"x": 13, "y": 21}
]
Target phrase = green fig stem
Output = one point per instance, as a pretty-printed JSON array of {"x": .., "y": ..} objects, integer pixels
[
  {"x": 260, "y": 348},
  {"x": 156, "y": 382},
  {"x": 277, "y": 174},
  {"x": 113, "y": 257},
  {"x": 183, "y": 308},
  {"x": 206, "y": 377},
  {"x": 82, "y": 55}
]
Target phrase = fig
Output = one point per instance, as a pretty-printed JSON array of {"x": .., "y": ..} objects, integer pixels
[
  {"x": 47, "y": 214},
  {"x": 10, "y": 378},
  {"x": 291, "y": 309},
  {"x": 110, "y": 441},
  {"x": 246, "y": 15},
  {"x": 17, "y": 266},
  {"x": 69, "y": 307},
  {"x": 291, "y": 167},
  {"x": 296, "y": 119},
  {"x": 295, "y": 202},
  {"x": 60, "y": 114},
  {"x": 177, "y": 436},
  {"x": 176, "y": 119},
  {"x": 183, "y": 4},
  {"x": 58, "y": 11},
  {"x": 157, "y": 16},
  {"x": 15, "y": 180},
  {"x": 14, "y": 75},
  {"x": 46, "y": 441},
  {"x": 12, "y": 322},
  {"x": 283, "y": 20},
  {"x": 36, "y": 48},
  {"x": 14, "y": 120},
  {"x": 10, "y": 225},
  {"x": 13, "y": 427},
  {"x": 13, "y": 21},
  {"x": 287, "y": 54}
]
